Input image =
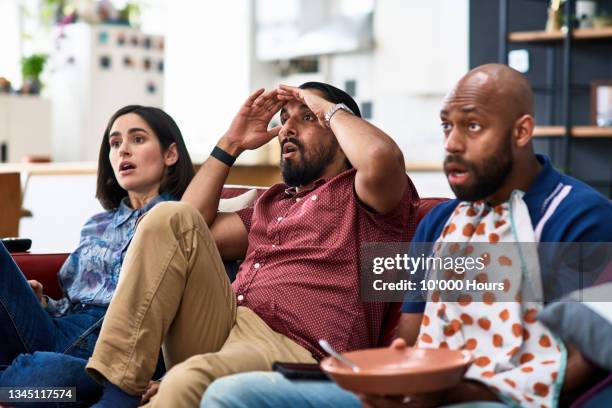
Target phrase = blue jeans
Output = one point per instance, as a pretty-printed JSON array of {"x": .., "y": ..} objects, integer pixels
[
  {"x": 603, "y": 399},
  {"x": 49, "y": 369},
  {"x": 37, "y": 349},
  {"x": 272, "y": 390}
]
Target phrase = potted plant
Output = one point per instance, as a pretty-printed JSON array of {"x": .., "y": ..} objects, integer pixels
[{"x": 31, "y": 67}]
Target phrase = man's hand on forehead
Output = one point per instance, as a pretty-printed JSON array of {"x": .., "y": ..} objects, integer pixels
[
  {"x": 309, "y": 97},
  {"x": 249, "y": 129},
  {"x": 267, "y": 103}
]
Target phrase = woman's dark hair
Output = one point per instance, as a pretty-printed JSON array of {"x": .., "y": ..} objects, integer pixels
[{"x": 176, "y": 178}]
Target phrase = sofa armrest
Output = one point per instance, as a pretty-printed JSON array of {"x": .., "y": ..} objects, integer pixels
[{"x": 43, "y": 268}]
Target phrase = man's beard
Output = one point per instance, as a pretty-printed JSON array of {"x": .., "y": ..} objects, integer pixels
[
  {"x": 487, "y": 178},
  {"x": 300, "y": 171}
]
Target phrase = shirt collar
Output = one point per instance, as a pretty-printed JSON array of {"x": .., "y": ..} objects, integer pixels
[
  {"x": 292, "y": 191},
  {"x": 540, "y": 189},
  {"x": 124, "y": 212}
]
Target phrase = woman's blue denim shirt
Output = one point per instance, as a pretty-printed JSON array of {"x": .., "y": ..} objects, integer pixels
[{"x": 90, "y": 274}]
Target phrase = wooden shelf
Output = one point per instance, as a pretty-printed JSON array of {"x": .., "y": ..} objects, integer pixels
[
  {"x": 577, "y": 131},
  {"x": 577, "y": 34},
  {"x": 586, "y": 33},
  {"x": 528, "y": 36}
]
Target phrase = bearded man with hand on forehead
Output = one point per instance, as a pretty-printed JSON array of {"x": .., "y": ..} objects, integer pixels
[{"x": 345, "y": 183}]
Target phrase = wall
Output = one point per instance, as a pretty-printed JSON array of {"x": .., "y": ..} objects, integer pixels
[
  {"x": 421, "y": 50},
  {"x": 207, "y": 70}
]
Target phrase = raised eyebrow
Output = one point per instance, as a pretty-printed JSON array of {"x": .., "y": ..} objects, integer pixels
[
  {"x": 470, "y": 109},
  {"x": 134, "y": 130},
  {"x": 466, "y": 109},
  {"x": 304, "y": 107}
]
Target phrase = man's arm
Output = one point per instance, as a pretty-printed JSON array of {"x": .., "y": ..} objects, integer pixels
[
  {"x": 380, "y": 182},
  {"x": 248, "y": 131},
  {"x": 579, "y": 373}
]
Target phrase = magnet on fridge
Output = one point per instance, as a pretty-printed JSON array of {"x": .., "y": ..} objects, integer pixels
[
  {"x": 103, "y": 37},
  {"x": 151, "y": 88},
  {"x": 105, "y": 62}
]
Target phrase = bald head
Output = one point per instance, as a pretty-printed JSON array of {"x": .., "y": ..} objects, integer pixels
[
  {"x": 499, "y": 87},
  {"x": 488, "y": 123}
]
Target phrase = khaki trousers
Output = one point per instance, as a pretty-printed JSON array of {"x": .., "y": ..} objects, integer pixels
[{"x": 173, "y": 293}]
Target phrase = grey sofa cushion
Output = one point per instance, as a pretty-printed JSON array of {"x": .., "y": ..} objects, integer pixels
[{"x": 584, "y": 319}]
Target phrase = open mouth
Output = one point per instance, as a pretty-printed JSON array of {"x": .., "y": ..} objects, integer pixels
[
  {"x": 456, "y": 173},
  {"x": 289, "y": 150},
  {"x": 126, "y": 168}
]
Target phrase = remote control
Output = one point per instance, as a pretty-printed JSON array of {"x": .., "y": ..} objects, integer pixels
[{"x": 17, "y": 244}]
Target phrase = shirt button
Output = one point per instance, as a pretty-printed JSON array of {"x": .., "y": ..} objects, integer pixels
[
  {"x": 279, "y": 219},
  {"x": 273, "y": 245},
  {"x": 298, "y": 199},
  {"x": 314, "y": 197},
  {"x": 257, "y": 265},
  {"x": 240, "y": 298}
]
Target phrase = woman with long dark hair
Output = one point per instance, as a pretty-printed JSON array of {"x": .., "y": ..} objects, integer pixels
[{"x": 143, "y": 161}]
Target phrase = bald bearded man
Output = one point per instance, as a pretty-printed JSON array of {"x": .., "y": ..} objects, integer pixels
[{"x": 488, "y": 122}]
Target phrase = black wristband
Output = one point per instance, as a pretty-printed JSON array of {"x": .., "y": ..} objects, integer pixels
[{"x": 223, "y": 156}]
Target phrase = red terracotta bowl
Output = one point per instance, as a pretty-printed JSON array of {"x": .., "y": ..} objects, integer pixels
[{"x": 411, "y": 371}]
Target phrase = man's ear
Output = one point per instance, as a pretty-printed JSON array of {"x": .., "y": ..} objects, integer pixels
[
  {"x": 523, "y": 130},
  {"x": 171, "y": 155}
]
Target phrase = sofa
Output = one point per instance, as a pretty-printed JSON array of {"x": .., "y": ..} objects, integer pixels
[{"x": 44, "y": 267}]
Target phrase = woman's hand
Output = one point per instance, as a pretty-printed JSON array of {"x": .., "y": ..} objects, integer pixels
[
  {"x": 37, "y": 287},
  {"x": 149, "y": 392},
  {"x": 249, "y": 129}
]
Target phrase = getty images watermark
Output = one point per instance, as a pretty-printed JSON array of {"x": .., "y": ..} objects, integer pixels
[{"x": 482, "y": 272}]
